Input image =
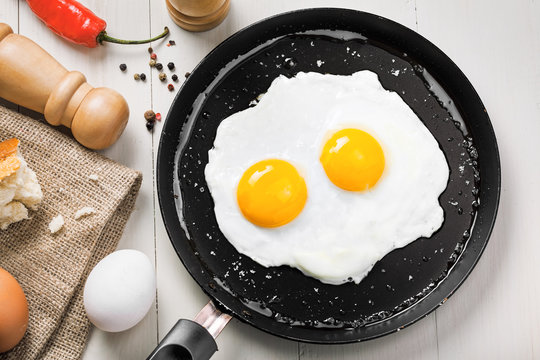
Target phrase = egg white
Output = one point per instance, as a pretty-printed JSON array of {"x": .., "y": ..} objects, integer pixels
[{"x": 339, "y": 235}]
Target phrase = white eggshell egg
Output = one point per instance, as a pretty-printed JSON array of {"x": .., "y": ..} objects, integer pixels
[{"x": 120, "y": 290}]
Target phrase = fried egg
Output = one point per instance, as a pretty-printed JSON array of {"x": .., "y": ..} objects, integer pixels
[{"x": 326, "y": 174}]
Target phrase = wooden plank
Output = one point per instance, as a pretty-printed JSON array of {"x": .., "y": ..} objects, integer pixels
[
  {"x": 496, "y": 44},
  {"x": 178, "y": 294},
  {"x": 9, "y": 14},
  {"x": 134, "y": 149}
]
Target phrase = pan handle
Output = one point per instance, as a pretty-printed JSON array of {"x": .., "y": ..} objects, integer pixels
[{"x": 192, "y": 340}]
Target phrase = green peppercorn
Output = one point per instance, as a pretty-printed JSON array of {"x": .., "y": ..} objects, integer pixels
[
  {"x": 136, "y": 76},
  {"x": 162, "y": 76},
  {"x": 152, "y": 63},
  {"x": 149, "y": 115}
]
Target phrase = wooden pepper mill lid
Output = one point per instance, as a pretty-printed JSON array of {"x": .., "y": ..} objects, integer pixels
[
  {"x": 198, "y": 15},
  {"x": 30, "y": 77}
]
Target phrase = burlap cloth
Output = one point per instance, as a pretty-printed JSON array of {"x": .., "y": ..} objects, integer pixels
[{"x": 52, "y": 268}]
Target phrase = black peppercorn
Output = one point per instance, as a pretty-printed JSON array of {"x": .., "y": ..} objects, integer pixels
[
  {"x": 174, "y": 77},
  {"x": 159, "y": 66},
  {"x": 142, "y": 76},
  {"x": 170, "y": 65},
  {"x": 123, "y": 67},
  {"x": 150, "y": 126},
  {"x": 187, "y": 74}
]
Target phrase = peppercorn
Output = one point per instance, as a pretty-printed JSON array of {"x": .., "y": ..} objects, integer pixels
[
  {"x": 170, "y": 65},
  {"x": 123, "y": 67},
  {"x": 153, "y": 56},
  {"x": 174, "y": 77},
  {"x": 150, "y": 50},
  {"x": 149, "y": 115},
  {"x": 170, "y": 87},
  {"x": 172, "y": 42},
  {"x": 158, "y": 116},
  {"x": 159, "y": 66},
  {"x": 143, "y": 76},
  {"x": 136, "y": 76},
  {"x": 187, "y": 74},
  {"x": 150, "y": 125},
  {"x": 162, "y": 76},
  {"x": 152, "y": 63}
]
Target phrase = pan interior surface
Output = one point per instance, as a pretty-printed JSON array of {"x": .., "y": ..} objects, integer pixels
[{"x": 407, "y": 283}]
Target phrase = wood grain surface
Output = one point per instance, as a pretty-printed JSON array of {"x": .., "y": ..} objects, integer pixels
[{"x": 497, "y": 45}]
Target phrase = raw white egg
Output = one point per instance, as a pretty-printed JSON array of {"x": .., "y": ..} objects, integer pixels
[
  {"x": 120, "y": 290},
  {"x": 326, "y": 174}
]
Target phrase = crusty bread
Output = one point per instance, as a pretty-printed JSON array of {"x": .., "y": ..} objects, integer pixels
[
  {"x": 19, "y": 186},
  {"x": 9, "y": 161}
]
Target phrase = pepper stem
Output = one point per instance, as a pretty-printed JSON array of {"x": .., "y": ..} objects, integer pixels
[{"x": 102, "y": 36}]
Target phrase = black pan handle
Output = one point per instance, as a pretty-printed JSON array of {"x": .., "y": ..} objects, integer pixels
[{"x": 192, "y": 340}]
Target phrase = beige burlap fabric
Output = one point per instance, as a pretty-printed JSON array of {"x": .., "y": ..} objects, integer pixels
[{"x": 52, "y": 268}]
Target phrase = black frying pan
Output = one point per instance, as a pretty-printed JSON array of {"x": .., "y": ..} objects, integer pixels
[{"x": 406, "y": 284}]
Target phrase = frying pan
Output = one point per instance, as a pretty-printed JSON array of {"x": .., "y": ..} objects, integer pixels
[{"x": 406, "y": 284}]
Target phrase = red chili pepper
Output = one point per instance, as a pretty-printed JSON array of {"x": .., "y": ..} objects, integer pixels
[{"x": 76, "y": 23}]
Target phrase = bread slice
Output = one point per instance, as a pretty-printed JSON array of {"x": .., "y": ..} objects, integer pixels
[
  {"x": 19, "y": 186},
  {"x": 9, "y": 161}
]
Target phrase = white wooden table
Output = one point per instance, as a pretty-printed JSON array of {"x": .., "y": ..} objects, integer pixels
[{"x": 496, "y": 43}]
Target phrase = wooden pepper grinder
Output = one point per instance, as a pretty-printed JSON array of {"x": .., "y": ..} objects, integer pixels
[
  {"x": 30, "y": 77},
  {"x": 198, "y": 15}
]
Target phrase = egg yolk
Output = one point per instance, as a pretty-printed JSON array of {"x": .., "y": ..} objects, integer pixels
[
  {"x": 271, "y": 193},
  {"x": 353, "y": 160}
]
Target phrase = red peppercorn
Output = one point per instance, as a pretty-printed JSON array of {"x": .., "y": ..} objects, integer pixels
[
  {"x": 158, "y": 116},
  {"x": 153, "y": 56},
  {"x": 170, "y": 87}
]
